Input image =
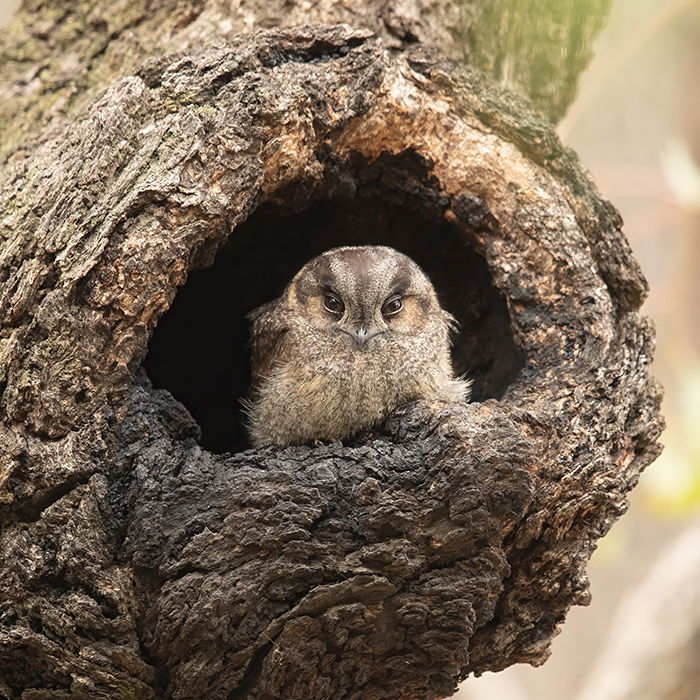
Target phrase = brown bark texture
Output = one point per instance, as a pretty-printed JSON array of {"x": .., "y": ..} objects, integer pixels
[{"x": 144, "y": 552}]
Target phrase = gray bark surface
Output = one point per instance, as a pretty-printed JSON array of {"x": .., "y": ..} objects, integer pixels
[{"x": 137, "y": 563}]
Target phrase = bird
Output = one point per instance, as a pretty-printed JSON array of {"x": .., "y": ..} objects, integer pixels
[{"x": 357, "y": 333}]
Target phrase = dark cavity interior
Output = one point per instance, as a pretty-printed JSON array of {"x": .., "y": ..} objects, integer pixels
[{"x": 199, "y": 350}]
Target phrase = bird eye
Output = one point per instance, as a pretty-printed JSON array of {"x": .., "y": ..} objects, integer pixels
[
  {"x": 392, "y": 306},
  {"x": 333, "y": 305}
]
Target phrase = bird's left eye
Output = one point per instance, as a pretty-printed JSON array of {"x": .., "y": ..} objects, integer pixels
[{"x": 392, "y": 306}]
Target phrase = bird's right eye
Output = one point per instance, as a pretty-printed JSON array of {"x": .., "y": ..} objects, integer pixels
[{"x": 333, "y": 305}]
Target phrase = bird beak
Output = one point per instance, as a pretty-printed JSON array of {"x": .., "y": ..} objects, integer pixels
[{"x": 361, "y": 335}]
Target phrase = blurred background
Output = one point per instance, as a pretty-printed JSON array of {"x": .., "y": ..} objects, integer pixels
[{"x": 636, "y": 125}]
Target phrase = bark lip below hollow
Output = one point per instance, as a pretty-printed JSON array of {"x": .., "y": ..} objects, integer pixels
[{"x": 453, "y": 542}]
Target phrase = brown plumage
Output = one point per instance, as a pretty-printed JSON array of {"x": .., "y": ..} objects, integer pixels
[{"x": 357, "y": 333}]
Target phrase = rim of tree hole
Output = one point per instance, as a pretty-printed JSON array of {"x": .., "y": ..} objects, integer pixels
[{"x": 452, "y": 542}]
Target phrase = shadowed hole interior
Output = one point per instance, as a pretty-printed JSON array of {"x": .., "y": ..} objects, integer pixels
[{"x": 199, "y": 351}]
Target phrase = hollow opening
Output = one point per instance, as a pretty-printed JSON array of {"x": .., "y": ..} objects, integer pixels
[{"x": 199, "y": 350}]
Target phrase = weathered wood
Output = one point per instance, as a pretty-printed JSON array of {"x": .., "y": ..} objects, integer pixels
[
  {"x": 134, "y": 562},
  {"x": 55, "y": 59}
]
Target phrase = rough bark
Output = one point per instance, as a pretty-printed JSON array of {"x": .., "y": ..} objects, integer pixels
[
  {"x": 137, "y": 563},
  {"x": 57, "y": 57}
]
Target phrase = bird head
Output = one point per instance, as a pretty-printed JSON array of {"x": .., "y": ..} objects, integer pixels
[{"x": 364, "y": 295}]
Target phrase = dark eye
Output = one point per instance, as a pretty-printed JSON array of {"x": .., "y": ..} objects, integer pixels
[
  {"x": 392, "y": 306},
  {"x": 333, "y": 305}
]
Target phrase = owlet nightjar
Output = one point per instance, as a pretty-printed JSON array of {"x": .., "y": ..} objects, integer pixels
[{"x": 357, "y": 333}]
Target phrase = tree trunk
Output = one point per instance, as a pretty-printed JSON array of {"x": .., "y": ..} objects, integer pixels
[{"x": 144, "y": 553}]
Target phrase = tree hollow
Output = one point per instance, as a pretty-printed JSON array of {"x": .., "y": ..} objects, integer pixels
[{"x": 199, "y": 350}]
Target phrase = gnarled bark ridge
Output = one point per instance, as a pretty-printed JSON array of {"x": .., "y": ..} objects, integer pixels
[{"x": 138, "y": 563}]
